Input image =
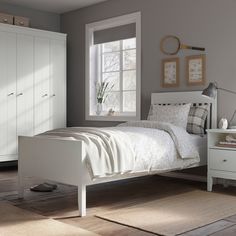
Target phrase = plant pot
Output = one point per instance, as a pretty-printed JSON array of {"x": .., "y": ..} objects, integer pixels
[{"x": 99, "y": 109}]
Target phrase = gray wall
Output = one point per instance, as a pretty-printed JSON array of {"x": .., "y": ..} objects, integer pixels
[
  {"x": 208, "y": 23},
  {"x": 38, "y": 19}
]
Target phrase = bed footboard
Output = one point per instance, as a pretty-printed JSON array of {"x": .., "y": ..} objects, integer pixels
[{"x": 53, "y": 159}]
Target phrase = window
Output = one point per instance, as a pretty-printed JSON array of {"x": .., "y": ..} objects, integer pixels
[
  {"x": 113, "y": 60},
  {"x": 118, "y": 68}
]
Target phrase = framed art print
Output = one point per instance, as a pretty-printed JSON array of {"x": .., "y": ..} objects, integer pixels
[
  {"x": 170, "y": 72},
  {"x": 196, "y": 67}
]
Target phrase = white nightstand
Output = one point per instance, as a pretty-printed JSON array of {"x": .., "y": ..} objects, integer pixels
[{"x": 221, "y": 160}]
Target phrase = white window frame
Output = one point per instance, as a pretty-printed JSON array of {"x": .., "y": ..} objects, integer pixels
[{"x": 102, "y": 25}]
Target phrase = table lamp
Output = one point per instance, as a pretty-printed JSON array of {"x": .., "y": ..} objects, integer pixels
[{"x": 211, "y": 91}]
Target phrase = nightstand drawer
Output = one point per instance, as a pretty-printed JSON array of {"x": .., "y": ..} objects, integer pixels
[{"x": 222, "y": 160}]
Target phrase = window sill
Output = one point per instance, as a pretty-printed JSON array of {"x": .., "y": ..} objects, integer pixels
[{"x": 120, "y": 117}]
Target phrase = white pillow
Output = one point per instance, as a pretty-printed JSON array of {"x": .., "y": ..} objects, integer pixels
[{"x": 174, "y": 114}]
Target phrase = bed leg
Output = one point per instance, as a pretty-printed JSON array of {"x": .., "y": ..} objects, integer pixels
[
  {"x": 82, "y": 200},
  {"x": 209, "y": 183}
]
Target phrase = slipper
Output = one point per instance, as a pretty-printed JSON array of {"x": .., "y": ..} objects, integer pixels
[
  {"x": 54, "y": 186},
  {"x": 42, "y": 188}
]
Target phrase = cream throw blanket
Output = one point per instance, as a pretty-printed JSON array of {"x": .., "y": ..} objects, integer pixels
[{"x": 108, "y": 152}]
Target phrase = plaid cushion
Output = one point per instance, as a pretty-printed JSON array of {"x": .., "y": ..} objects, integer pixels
[{"x": 197, "y": 119}]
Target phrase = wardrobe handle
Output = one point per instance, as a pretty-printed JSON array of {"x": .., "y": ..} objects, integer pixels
[
  {"x": 54, "y": 95},
  {"x": 10, "y": 94},
  {"x": 20, "y": 94},
  {"x": 45, "y": 95}
]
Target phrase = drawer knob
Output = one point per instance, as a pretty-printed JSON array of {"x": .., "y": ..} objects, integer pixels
[
  {"x": 10, "y": 94},
  {"x": 45, "y": 95},
  {"x": 21, "y": 23},
  {"x": 224, "y": 160},
  {"x": 20, "y": 94},
  {"x": 5, "y": 20}
]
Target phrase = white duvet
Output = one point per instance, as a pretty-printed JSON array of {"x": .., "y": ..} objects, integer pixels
[{"x": 138, "y": 146}]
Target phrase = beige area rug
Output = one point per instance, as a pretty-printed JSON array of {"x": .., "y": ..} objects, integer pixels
[
  {"x": 17, "y": 222},
  {"x": 175, "y": 214}
]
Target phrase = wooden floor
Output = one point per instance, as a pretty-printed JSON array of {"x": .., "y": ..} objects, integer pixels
[{"x": 107, "y": 197}]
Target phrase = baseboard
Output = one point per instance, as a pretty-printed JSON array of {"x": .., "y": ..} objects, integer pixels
[{"x": 8, "y": 164}]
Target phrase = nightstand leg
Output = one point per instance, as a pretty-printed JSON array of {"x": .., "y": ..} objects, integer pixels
[{"x": 209, "y": 183}]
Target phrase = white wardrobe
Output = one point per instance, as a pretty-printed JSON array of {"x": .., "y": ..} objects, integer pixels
[{"x": 32, "y": 84}]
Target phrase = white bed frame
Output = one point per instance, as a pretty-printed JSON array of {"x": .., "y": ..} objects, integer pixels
[{"x": 63, "y": 161}]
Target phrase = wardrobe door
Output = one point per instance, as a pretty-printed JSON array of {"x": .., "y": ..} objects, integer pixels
[
  {"x": 8, "y": 138},
  {"x": 58, "y": 84},
  {"x": 25, "y": 85},
  {"x": 41, "y": 85}
]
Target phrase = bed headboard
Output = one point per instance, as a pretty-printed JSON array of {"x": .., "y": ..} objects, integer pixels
[{"x": 194, "y": 97}]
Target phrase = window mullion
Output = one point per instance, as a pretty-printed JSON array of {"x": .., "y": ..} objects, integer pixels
[
  {"x": 101, "y": 66},
  {"x": 101, "y": 62},
  {"x": 121, "y": 76}
]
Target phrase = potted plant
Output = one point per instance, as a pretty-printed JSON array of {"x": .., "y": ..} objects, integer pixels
[{"x": 103, "y": 89}]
